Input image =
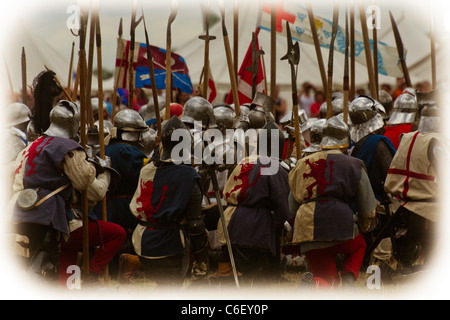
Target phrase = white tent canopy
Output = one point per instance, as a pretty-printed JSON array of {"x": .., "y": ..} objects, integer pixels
[{"x": 49, "y": 43}]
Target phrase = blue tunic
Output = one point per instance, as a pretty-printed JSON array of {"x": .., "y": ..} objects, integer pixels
[{"x": 43, "y": 170}]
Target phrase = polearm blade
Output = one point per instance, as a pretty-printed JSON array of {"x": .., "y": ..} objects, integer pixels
[
  {"x": 207, "y": 38},
  {"x": 293, "y": 57},
  {"x": 352, "y": 51},
  {"x": 317, "y": 46},
  {"x": 433, "y": 52},
  {"x": 24, "y": 76},
  {"x": 367, "y": 51},
  {"x": 330, "y": 60},
  {"x": 254, "y": 68},
  {"x": 152, "y": 78},
  {"x": 400, "y": 50},
  {"x": 69, "y": 80},
  {"x": 131, "y": 57},
  {"x": 173, "y": 14},
  {"x": 375, "y": 50},
  {"x": 116, "y": 83},
  {"x": 90, "y": 66},
  {"x": 231, "y": 66}
]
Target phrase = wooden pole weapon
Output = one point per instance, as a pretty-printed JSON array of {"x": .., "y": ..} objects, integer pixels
[
  {"x": 400, "y": 50},
  {"x": 317, "y": 46},
  {"x": 24, "y": 77},
  {"x": 367, "y": 51},
  {"x": 233, "y": 78},
  {"x": 330, "y": 60},
  {"x": 173, "y": 14},
  {"x": 152, "y": 79}
]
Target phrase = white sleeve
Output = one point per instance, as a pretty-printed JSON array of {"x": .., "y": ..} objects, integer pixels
[
  {"x": 80, "y": 172},
  {"x": 97, "y": 190}
]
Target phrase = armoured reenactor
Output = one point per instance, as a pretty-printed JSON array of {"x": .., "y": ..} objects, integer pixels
[
  {"x": 257, "y": 208},
  {"x": 224, "y": 116},
  {"x": 50, "y": 173},
  {"x": 126, "y": 151},
  {"x": 147, "y": 112},
  {"x": 198, "y": 109},
  {"x": 18, "y": 117},
  {"x": 413, "y": 177},
  {"x": 169, "y": 214},
  {"x": 316, "y": 136},
  {"x": 386, "y": 101},
  {"x": 316, "y": 185},
  {"x": 375, "y": 150},
  {"x": 404, "y": 116}
]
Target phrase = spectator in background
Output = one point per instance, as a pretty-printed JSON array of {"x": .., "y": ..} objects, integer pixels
[
  {"x": 401, "y": 86},
  {"x": 306, "y": 98},
  {"x": 182, "y": 97},
  {"x": 141, "y": 97},
  {"x": 315, "y": 106},
  {"x": 280, "y": 106},
  {"x": 387, "y": 87}
]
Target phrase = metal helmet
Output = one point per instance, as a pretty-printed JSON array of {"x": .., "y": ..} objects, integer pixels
[
  {"x": 130, "y": 125},
  {"x": 273, "y": 133},
  {"x": 168, "y": 127},
  {"x": 257, "y": 118},
  {"x": 335, "y": 134},
  {"x": 405, "y": 109},
  {"x": 107, "y": 126},
  {"x": 316, "y": 136},
  {"x": 224, "y": 116},
  {"x": 386, "y": 101},
  {"x": 64, "y": 120},
  {"x": 337, "y": 105},
  {"x": 147, "y": 111},
  {"x": 94, "y": 103},
  {"x": 288, "y": 119},
  {"x": 17, "y": 113},
  {"x": 430, "y": 119},
  {"x": 244, "y": 121},
  {"x": 364, "y": 113},
  {"x": 149, "y": 141},
  {"x": 198, "y": 109}
]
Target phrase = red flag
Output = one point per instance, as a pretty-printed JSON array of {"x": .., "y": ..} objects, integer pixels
[
  {"x": 212, "y": 92},
  {"x": 245, "y": 77}
]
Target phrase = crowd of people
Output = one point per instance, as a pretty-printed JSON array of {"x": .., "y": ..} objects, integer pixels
[{"x": 363, "y": 191}]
